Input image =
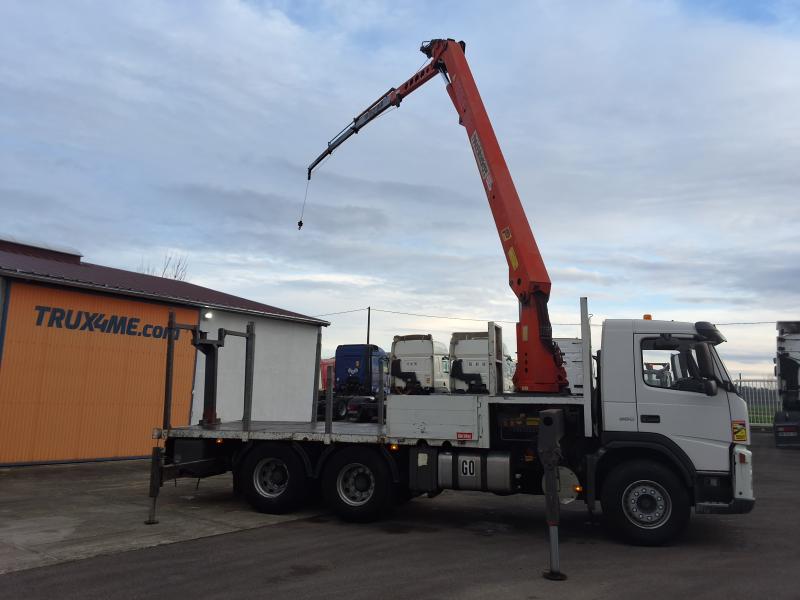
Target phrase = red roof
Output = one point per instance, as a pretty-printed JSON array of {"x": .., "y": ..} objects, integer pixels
[{"x": 18, "y": 260}]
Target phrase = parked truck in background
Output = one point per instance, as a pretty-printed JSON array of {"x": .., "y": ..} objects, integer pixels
[
  {"x": 787, "y": 370},
  {"x": 419, "y": 365},
  {"x": 469, "y": 363},
  {"x": 357, "y": 377},
  {"x": 573, "y": 361},
  {"x": 323, "y": 373}
]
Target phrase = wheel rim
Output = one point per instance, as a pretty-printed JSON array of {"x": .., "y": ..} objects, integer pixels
[
  {"x": 355, "y": 484},
  {"x": 646, "y": 504},
  {"x": 271, "y": 477}
]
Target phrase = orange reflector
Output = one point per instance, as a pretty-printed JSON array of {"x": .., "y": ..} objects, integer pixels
[
  {"x": 577, "y": 489},
  {"x": 394, "y": 447},
  {"x": 220, "y": 440},
  {"x": 647, "y": 317}
]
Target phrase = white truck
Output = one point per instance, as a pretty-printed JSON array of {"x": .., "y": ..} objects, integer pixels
[
  {"x": 419, "y": 365},
  {"x": 646, "y": 452},
  {"x": 469, "y": 363}
]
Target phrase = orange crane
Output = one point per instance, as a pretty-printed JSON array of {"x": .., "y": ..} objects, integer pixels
[{"x": 539, "y": 360}]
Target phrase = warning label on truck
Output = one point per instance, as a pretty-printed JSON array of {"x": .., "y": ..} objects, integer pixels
[
  {"x": 739, "y": 431},
  {"x": 483, "y": 166}
]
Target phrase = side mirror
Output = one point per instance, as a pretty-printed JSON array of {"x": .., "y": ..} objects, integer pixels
[{"x": 710, "y": 387}]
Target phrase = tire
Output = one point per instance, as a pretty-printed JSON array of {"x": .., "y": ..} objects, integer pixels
[
  {"x": 356, "y": 484},
  {"x": 645, "y": 503},
  {"x": 274, "y": 479}
]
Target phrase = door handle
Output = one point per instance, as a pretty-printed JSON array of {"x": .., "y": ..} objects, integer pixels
[{"x": 650, "y": 418}]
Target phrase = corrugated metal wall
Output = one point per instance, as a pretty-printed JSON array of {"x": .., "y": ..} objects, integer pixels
[{"x": 82, "y": 374}]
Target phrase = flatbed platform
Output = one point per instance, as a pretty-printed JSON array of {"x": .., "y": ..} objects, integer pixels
[
  {"x": 435, "y": 418},
  {"x": 341, "y": 431}
]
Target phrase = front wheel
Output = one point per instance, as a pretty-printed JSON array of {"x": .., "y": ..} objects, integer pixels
[{"x": 645, "y": 503}]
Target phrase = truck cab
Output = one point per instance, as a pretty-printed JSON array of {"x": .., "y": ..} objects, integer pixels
[
  {"x": 787, "y": 371},
  {"x": 419, "y": 365},
  {"x": 665, "y": 398},
  {"x": 358, "y": 369},
  {"x": 676, "y": 387},
  {"x": 469, "y": 363}
]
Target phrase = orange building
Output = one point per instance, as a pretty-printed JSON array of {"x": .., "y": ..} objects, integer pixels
[{"x": 83, "y": 350}]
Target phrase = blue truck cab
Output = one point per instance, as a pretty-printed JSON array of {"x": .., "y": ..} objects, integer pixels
[{"x": 356, "y": 373}]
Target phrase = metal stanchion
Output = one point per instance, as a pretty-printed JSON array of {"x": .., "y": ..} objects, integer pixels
[
  {"x": 551, "y": 430},
  {"x": 329, "y": 401},
  {"x": 381, "y": 408},
  {"x": 155, "y": 484}
]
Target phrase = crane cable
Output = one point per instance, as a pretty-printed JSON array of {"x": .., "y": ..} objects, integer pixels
[
  {"x": 308, "y": 183},
  {"x": 303, "y": 209}
]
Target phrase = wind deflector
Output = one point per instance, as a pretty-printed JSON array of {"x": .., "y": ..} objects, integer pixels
[{"x": 709, "y": 332}]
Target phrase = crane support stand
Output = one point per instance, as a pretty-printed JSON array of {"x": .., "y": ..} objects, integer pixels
[
  {"x": 551, "y": 430},
  {"x": 155, "y": 484}
]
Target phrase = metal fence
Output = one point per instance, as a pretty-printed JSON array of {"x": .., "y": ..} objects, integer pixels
[{"x": 762, "y": 399}]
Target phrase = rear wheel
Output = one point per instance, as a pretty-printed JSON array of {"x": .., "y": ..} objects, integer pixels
[
  {"x": 645, "y": 503},
  {"x": 357, "y": 485},
  {"x": 273, "y": 479}
]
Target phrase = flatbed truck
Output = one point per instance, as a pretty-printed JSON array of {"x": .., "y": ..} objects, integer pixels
[{"x": 645, "y": 453}]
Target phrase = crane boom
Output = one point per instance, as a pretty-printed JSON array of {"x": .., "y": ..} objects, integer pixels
[{"x": 539, "y": 361}]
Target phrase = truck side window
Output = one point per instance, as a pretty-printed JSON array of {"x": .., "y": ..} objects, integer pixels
[
  {"x": 672, "y": 363},
  {"x": 445, "y": 365}
]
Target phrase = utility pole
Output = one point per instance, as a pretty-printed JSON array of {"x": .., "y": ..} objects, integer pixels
[{"x": 369, "y": 353}]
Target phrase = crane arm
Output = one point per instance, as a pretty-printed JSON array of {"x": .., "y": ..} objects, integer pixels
[
  {"x": 391, "y": 98},
  {"x": 539, "y": 361}
]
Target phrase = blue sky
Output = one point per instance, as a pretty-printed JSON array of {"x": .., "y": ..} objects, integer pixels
[{"x": 654, "y": 145}]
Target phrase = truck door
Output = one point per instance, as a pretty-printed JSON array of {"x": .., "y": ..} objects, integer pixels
[{"x": 672, "y": 401}]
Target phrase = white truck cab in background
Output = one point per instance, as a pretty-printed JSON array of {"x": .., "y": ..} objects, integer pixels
[
  {"x": 469, "y": 363},
  {"x": 419, "y": 365}
]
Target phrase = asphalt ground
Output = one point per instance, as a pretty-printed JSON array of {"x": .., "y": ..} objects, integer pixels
[
  {"x": 458, "y": 545},
  {"x": 54, "y": 513}
]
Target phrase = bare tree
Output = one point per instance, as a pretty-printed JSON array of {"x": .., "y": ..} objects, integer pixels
[{"x": 173, "y": 266}]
